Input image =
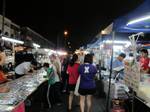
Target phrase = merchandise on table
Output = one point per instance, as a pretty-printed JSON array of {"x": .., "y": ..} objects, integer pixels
[
  {"x": 118, "y": 90},
  {"x": 20, "y": 89}
]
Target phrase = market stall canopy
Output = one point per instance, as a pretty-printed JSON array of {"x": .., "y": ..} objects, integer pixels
[
  {"x": 101, "y": 36},
  {"x": 136, "y": 21},
  {"x": 106, "y": 31},
  {"x": 98, "y": 41}
]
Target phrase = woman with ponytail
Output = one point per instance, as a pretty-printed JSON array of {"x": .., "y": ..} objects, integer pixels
[{"x": 72, "y": 71}]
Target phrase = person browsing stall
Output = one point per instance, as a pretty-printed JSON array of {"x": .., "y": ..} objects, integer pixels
[
  {"x": 118, "y": 62},
  {"x": 87, "y": 86},
  {"x": 144, "y": 61},
  {"x": 118, "y": 66},
  {"x": 72, "y": 71},
  {"x": 49, "y": 76},
  {"x": 3, "y": 78},
  {"x": 52, "y": 78},
  {"x": 2, "y": 56},
  {"x": 3, "y": 87},
  {"x": 25, "y": 68},
  {"x": 56, "y": 65}
]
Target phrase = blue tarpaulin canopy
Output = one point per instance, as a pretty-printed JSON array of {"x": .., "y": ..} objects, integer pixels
[
  {"x": 142, "y": 17},
  {"x": 99, "y": 40},
  {"x": 121, "y": 25}
]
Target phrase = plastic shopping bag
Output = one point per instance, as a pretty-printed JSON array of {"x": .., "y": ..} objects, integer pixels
[{"x": 77, "y": 87}]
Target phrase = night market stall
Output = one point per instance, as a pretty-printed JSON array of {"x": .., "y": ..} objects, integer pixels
[
  {"x": 17, "y": 94},
  {"x": 134, "y": 25}
]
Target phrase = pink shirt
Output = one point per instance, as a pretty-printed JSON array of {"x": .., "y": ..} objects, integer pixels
[{"x": 73, "y": 73}]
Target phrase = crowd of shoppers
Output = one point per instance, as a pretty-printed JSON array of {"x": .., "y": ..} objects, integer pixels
[
  {"x": 72, "y": 68},
  {"x": 62, "y": 78}
]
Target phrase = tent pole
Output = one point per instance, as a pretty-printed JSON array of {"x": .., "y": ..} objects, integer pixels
[
  {"x": 110, "y": 75},
  {"x": 100, "y": 59}
]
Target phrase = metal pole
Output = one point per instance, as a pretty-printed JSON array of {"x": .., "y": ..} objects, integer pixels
[
  {"x": 3, "y": 16},
  {"x": 111, "y": 63},
  {"x": 133, "y": 41},
  {"x": 100, "y": 60}
]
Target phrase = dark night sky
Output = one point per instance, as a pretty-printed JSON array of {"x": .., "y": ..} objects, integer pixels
[{"x": 82, "y": 18}]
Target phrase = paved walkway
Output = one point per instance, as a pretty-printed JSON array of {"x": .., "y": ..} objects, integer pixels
[{"x": 98, "y": 106}]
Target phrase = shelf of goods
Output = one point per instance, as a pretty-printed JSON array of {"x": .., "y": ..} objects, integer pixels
[
  {"x": 139, "y": 82},
  {"x": 132, "y": 76},
  {"x": 144, "y": 90},
  {"x": 117, "y": 89}
]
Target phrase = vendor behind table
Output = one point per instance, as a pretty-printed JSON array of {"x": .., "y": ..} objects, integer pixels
[{"x": 25, "y": 68}]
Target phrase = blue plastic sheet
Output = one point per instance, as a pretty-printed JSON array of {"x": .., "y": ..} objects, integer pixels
[{"x": 120, "y": 24}]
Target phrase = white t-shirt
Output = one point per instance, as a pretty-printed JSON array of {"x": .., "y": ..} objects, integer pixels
[
  {"x": 23, "y": 68},
  {"x": 56, "y": 77}
]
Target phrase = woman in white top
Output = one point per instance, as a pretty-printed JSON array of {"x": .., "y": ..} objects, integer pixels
[{"x": 56, "y": 88}]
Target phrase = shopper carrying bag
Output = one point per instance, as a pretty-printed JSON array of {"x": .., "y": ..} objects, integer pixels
[
  {"x": 77, "y": 87},
  {"x": 72, "y": 71},
  {"x": 87, "y": 87}
]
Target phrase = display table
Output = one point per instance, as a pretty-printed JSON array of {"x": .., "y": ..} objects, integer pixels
[
  {"x": 118, "y": 90},
  {"x": 139, "y": 82},
  {"x": 144, "y": 93},
  {"x": 20, "y": 89}
]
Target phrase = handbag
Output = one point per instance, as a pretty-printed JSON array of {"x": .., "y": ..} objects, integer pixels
[{"x": 77, "y": 86}]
